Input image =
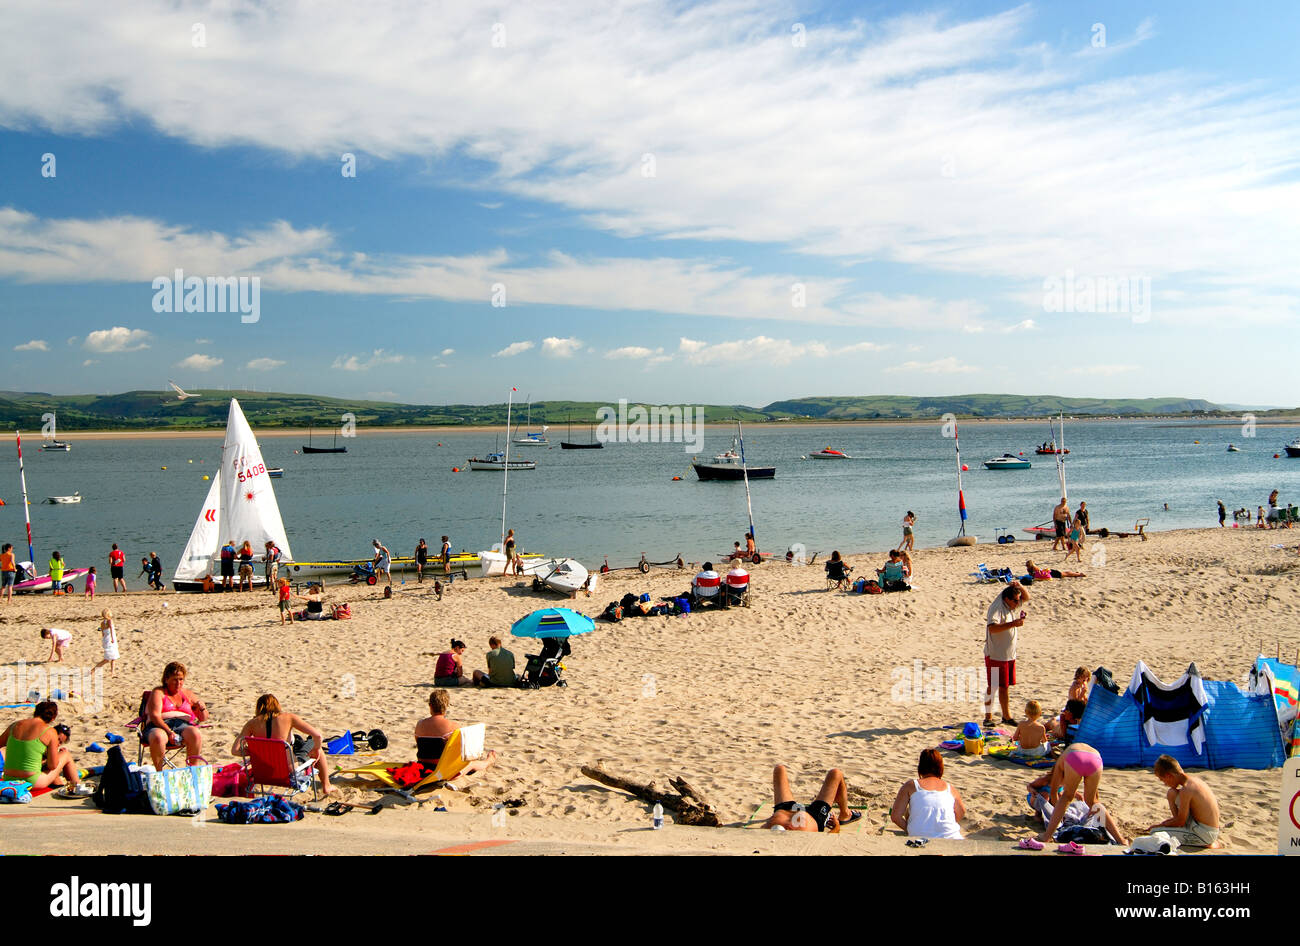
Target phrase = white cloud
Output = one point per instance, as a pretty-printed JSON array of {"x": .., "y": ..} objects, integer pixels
[
  {"x": 89, "y": 361},
  {"x": 377, "y": 358},
  {"x": 860, "y": 347},
  {"x": 1028, "y": 325},
  {"x": 447, "y": 351},
  {"x": 202, "y": 341},
  {"x": 198, "y": 362},
  {"x": 264, "y": 364},
  {"x": 36, "y": 344},
  {"x": 635, "y": 352},
  {"x": 514, "y": 348},
  {"x": 116, "y": 339},
  {"x": 560, "y": 347},
  {"x": 941, "y": 366},
  {"x": 772, "y": 351}
]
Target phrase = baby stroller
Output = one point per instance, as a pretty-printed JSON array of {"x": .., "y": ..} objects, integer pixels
[
  {"x": 545, "y": 669},
  {"x": 364, "y": 573}
]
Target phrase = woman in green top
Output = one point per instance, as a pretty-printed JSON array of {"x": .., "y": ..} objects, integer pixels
[
  {"x": 33, "y": 753},
  {"x": 56, "y": 573}
]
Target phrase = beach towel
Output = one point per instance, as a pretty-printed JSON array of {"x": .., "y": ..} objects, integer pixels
[
  {"x": 15, "y": 792},
  {"x": 1008, "y": 754},
  {"x": 271, "y": 809}
]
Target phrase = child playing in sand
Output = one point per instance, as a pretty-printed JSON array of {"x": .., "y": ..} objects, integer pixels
[
  {"x": 90, "y": 583},
  {"x": 59, "y": 642},
  {"x": 109, "y": 631},
  {"x": 1031, "y": 736},
  {"x": 1079, "y": 687}
]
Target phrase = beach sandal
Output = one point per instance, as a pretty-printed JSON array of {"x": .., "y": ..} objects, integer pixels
[
  {"x": 1071, "y": 848},
  {"x": 94, "y": 747},
  {"x": 114, "y": 739},
  {"x": 1009, "y": 722},
  {"x": 853, "y": 816},
  {"x": 1030, "y": 844},
  {"x": 337, "y": 808},
  {"x": 917, "y": 842}
]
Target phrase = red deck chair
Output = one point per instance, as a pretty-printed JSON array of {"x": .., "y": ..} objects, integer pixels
[{"x": 271, "y": 765}]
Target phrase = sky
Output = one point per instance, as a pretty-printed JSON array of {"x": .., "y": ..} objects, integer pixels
[{"x": 719, "y": 202}]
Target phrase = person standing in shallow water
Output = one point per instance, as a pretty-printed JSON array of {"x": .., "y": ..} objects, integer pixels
[
  {"x": 1223, "y": 513},
  {"x": 908, "y": 538}
]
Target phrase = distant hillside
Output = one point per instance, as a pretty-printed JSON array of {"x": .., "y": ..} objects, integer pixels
[
  {"x": 979, "y": 405},
  {"x": 159, "y": 410}
]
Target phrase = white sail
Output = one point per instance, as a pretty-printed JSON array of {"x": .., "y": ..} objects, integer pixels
[
  {"x": 197, "y": 559},
  {"x": 248, "y": 510}
]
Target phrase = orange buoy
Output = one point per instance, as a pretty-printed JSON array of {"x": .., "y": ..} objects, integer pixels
[
  {"x": 676, "y": 478},
  {"x": 455, "y": 469},
  {"x": 1276, "y": 455}
]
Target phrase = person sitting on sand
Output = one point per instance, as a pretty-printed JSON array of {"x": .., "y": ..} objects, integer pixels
[
  {"x": 1030, "y": 736},
  {"x": 500, "y": 667},
  {"x": 271, "y": 722},
  {"x": 1066, "y": 724},
  {"x": 705, "y": 585},
  {"x": 1194, "y": 811},
  {"x": 927, "y": 806},
  {"x": 1080, "y": 685},
  {"x": 1079, "y": 763},
  {"x": 450, "y": 669},
  {"x": 1038, "y": 573},
  {"x": 893, "y": 575},
  {"x": 432, "y": 733},
  {"x": 33, "y": 753},
  {"x": 172, "y": 717},
  {"x": 838, "y": 570},
  {"x": 737, "y": 553},
  {"x": 818, "y": 815}
]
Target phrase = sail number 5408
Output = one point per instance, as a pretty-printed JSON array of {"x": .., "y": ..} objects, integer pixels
[{"x": 251, "y": 472}]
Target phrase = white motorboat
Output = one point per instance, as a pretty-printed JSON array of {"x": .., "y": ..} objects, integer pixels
[
  {"x": 1293, "y": 448},
  {"x": 568, "y": 576},
  {"x": 240, "y": 504},
  {"x": 1008, "y": 462},
  {"x": 498, "y": 462},
  {"x": 63, "y": 500}
]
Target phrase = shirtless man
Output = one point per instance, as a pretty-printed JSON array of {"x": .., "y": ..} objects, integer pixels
[
  {"x": 1194, "y": 810},
  {"x": 1061, "y": 522}
]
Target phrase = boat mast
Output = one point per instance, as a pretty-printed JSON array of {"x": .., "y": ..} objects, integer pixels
[
  {"x": 505, "y": 473},
  {"x": 1060, "y": 459},
  {"x": 961, "y": 497},
  {"x": 27, "y": 516},
  {"x": 744, "y": 469}
]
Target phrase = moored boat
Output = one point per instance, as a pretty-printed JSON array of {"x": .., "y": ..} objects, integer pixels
[
  {"x": 1008, "y": 462},
  {"x": 1293, "y": 448},
  {"x": 829, "y": 454},
  {"x": 498, "y": 462},
  {"x": 63, "y": 500},
  {"x": 730, "y": 466}
]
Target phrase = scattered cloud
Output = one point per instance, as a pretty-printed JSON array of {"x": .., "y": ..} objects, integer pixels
[
  {"x": 772, "y": 351},
  {"x": 635, "y": 352},
  {"x": 560, "y": 347},
  {"x": 377, "y": 358},
  {"x": 202, "y": 341},
  {"x": 89, "y": 361},
  {"x": 491, "y": 205},
  {"x": 264, "y": 364},
  {"x": 36, "y": 344},
  {"x": 197, "y": 362},
  {"x": 941, "y": 366},
  {"x": 447, "y": 351},
  {"x": 117, "y": 339},
  {"x": 860, "y": 347},
  {"x": 1028, "y": 325},
  {"x": 514, "y": 348}
]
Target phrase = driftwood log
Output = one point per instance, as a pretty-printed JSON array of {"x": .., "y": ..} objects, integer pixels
[{"x": 688, "y": 806}]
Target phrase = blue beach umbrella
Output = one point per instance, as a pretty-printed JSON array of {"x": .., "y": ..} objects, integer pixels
[{"x": 553, "y": 622}]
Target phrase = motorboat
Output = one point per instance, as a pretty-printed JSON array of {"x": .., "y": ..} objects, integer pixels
[
  {"x": 497, "y": 462},
  {"x": 274, "y": 472},
  {"x": 1293, "y": 448},
  {"x": 568, "y": 576},
  {"x": 1233, "y": 448},
  {"x": 63, "y": 500},
  {"x": 731, "y": 466},
  {"x": 1008, "y": 462},
  {"x": 829, "y": 454}
]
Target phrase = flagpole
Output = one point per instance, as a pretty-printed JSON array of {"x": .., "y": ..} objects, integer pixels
[
  {"x": 505, "y": 478},
  {"x": 27, "y": 516}
]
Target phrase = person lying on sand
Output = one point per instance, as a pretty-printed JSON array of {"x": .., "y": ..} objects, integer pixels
[
  {"x": 1194, "y": 811},
  {"x": 820, "y": 814},
  {"x": 1044, "y": 574}
]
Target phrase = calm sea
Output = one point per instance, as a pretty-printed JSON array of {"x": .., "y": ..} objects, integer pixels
[{"x": 622, "y": 500}]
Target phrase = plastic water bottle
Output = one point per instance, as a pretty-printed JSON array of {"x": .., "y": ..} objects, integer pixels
[{"x": 658, "y": 816}]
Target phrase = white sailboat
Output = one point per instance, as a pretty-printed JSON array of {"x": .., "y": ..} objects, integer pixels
[
  {"x": 240, "y": 506},
  {"x": 531, "y": 438},
  {"x": 54, "y": 443}
]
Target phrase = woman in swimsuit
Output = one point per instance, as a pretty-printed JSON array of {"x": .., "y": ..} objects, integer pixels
[
  {"x": 818, "y": 815},
  {"x": 32, "y": 751},
  {"x": 432, "y": 733},
  {"x": 173, "y": 716},
  {"x": 421, "y": 559},
  {"x": 271, "y": 722},
  {"x": 1079, "y": 763},
  {"x": 1043, "y": 574}
]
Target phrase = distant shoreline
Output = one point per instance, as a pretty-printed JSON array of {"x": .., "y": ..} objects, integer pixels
[{"x": 34, "y": 437}]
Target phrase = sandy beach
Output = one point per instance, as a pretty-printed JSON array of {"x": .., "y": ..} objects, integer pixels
[{"x": 806, "y": 676}]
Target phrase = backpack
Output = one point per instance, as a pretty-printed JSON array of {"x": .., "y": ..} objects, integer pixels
[
  {"x": 613, "y": 612},
  {"x": 627, "y": 601},
  {"x": 683, "y": 605},
  {"x": 118, "y": 793}
]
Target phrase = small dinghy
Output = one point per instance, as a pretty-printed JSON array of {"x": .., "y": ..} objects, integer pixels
[
  {"x": 63, "y": 500},
  {"x": 568, "y": 576}
]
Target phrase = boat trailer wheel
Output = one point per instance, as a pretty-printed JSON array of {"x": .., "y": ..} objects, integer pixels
[{"x": 644, "y": 566}]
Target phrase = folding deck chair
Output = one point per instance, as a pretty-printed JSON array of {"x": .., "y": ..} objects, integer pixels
[
  {"x": 464, "y": 745},
  {"x": 271, "y": 764}
]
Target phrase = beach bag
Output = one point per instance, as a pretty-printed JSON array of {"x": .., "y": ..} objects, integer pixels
[
  {"x": 341, "y": 745},
  {"x": 342, "y": 612},
  {"x": 872, "y": 587},
  {"x": 860, "y": 586},
  {"x": 180, "y": 791},
  {"x": 627, "y": 601},
  {"x": 270, "y": 809},
  {"x": 613, "y": 612},
  {"x": 231, "y": 780},
  {"x": 119, "y": 790},
  {"x": 683, "y": 605}
]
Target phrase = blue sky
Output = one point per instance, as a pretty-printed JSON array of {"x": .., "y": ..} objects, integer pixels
[{"x": 720, "y": 202}]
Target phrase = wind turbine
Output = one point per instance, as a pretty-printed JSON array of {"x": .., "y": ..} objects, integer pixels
[{"x": 180, "y": 393}]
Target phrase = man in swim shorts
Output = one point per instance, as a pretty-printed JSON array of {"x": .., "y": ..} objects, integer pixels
[
  {"x": 1061, "y": 522},
  {"x": 818, "y": 815},
  {"x": 1193, "y": 808}
]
